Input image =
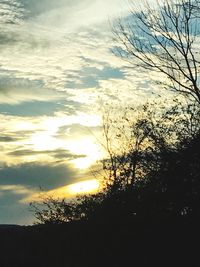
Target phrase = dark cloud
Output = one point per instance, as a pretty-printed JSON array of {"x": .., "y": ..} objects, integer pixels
[
  {"x": 66, "y": 156},
  {"x": 18, "y": 135},
  {"x": 58, "y": 153},
  {"x": 35, "y": 175},
  {"x": 7, "y": 139}
]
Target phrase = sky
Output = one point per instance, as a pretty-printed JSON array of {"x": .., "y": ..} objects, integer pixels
[{"x": 57, "y": 75}]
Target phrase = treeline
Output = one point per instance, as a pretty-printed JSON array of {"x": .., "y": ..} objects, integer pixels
[
  {"x": 152, "y": 169},
  {"x": 152, "y": 172}
]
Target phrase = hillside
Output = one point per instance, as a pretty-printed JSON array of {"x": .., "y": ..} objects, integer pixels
[{"x": 128, "y": 243}]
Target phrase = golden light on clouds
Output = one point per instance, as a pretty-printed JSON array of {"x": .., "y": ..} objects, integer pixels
[
  {"x": 89, "y": 148},
  {"x": 52, "y": 90},
  {"x": 69, "y": 191},
  {"x": 89, "y": 186}
]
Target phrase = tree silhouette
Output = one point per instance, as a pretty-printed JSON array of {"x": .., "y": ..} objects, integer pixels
[
  {"x": 51, "y": 210},
  {"x": 164, "y": 37},
  {"x": 152, "y": 169},
  {"x": 156, "y": 179}
]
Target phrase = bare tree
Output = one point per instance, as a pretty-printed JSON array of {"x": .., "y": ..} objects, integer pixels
[
  {"x": 127, "y": 136},
  {"x": 163, "y": 36}
]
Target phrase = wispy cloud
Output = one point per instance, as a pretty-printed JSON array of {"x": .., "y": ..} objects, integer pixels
[{"x": 56, "y": 72}]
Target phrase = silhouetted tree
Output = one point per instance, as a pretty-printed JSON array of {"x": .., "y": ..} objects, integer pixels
[
  {"x": 163, "y": 36},
  {"x": 152, "y": 170},
  {"x": 51, "y": 210},
  {"x": 159, "y": 185}
]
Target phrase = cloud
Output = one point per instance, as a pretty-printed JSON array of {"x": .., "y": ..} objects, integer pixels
[
  {"x": 11, "y": 12},
  {"x": 56, "y": 74},
  {"x": 68, "y": 60},
  {"x": 76, "y": 130},
  {"x": 57, "y": 153},
  {"x": 15, "y": 189},
  {"x": 34, "y": 108},
  {"x": 18, "y": 90},
  {"x": 7, "y": 139},
  {"x": 38, "y": 7},
  {"x": 11, "y": 135},
  {"x": 34, "y": 175},
  {"x": 90, "y": 76},
  {"x": 69, "y": 13}
]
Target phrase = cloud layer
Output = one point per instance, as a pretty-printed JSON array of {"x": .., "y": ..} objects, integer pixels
[{"x": 57, "y": 72}]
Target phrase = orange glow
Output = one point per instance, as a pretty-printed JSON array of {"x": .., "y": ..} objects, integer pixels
[{"x": 89, "y": 186}]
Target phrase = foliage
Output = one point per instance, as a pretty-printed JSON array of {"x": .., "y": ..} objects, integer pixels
[
  {"x": 155, "y": 173},
  {"x": 51, "y": 210},
  {"x": 166, "y": 180}
]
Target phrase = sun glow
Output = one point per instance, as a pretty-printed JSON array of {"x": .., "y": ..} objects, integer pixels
[
  {"x": 90, "y": 150},
  {"x": 89, "y": 186},
  {"x": 69, "y": 191}
]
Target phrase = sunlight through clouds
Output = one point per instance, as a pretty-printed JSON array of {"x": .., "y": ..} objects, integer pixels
[
  {"x": 89, "y": 186},
  {"x": 57, "y": 71},
  {"x": 88, "y": 147}
]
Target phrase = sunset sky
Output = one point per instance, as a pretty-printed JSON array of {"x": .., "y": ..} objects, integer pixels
[{"x": 57, "y": 73}]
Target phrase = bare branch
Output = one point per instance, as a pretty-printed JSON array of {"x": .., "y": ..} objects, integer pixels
[{"x": 164, "y": 39}]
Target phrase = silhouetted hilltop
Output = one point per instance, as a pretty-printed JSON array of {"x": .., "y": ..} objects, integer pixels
[
  {"x": 148, "y": 214},
  {"x": 128, "y": 243}
]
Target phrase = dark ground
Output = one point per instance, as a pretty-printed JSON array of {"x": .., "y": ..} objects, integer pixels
[{"x": 167, "y": 243}]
